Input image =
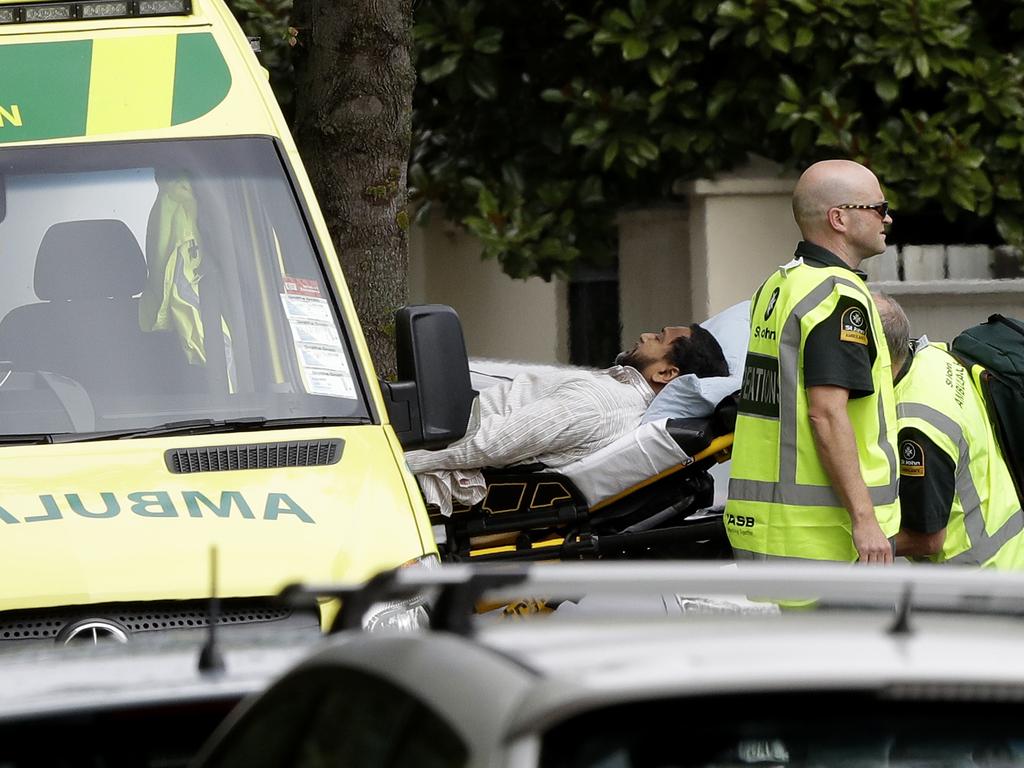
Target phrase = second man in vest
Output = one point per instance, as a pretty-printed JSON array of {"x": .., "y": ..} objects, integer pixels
[{"x": 958, "y": 498}]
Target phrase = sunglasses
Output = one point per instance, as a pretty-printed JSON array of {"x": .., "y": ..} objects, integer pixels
[{"x": 882, "y": 208}]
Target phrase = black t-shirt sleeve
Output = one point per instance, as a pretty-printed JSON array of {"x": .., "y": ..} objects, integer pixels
[
  {"x": 840, "y": 350},
  {"x": 927, "y": 482}
]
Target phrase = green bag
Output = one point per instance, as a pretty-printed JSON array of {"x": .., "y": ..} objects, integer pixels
[{"x": 998, "y": 346}]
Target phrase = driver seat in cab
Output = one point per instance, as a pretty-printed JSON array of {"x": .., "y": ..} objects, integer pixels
[{"x": 88, "y": 275}]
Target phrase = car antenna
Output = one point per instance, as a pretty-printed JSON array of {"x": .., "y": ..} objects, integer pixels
[
  {"x": 210, "y": 660},
  {"x": 901, "y": 624}
]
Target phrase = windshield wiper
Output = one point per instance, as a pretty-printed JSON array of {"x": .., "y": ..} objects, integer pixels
[{"x": 206, "y": 427}]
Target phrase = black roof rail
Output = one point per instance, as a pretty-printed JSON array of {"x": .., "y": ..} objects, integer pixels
[
  {"x": 458, "y": 590},
  {"x": 455, "y": 589}
]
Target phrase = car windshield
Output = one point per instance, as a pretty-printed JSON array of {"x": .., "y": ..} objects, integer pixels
[{"x": 150, "y": 283}]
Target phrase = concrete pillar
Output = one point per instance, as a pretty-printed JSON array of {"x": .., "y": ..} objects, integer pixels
[
  {"x": 654, "y": 270},
  {"x": 501, "y": 317},
  {"x": 924, "y": 262},
  {"x": 884, "y": 266},
  {"x": 741, "y": 228},
  {"x": 969, "y": 262}
]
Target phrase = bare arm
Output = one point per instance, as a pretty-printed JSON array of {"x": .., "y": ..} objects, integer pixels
[
  {"x": 837, "y": 449},
  {"x": 914, "y": 544}
]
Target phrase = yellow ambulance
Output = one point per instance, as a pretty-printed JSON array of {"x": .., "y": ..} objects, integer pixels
[{"x": 181, "y": 368}]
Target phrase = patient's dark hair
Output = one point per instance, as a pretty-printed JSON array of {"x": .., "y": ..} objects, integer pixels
[{"x": 700, "y": 354}]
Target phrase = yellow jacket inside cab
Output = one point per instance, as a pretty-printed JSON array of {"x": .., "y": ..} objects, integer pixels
[{"x": 180, "y": 364}]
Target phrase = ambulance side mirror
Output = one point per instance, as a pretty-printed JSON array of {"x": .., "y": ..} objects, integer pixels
[{"x": 429, "y": 405}]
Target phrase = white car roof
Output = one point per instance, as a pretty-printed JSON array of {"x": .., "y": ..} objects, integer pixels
[{"x": 531, "y": 673}]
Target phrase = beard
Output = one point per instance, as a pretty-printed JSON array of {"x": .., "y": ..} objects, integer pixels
[{"x": 629, "y": 357}]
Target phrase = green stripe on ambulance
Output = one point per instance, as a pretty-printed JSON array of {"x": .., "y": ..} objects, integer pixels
[{"x": 92, "y": 88}]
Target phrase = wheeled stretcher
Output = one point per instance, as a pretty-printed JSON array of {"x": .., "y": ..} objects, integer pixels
[{"x": 648, "y": 495}]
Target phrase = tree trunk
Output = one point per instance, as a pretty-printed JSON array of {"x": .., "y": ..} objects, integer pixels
[{"x": 353, "y": 116}]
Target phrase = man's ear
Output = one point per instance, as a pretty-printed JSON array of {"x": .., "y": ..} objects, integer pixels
[
  {"x": 836, "y": 219},
  {"x": 664, "y": 373}
]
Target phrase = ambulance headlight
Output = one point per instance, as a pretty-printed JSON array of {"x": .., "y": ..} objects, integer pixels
[{"x": 402, "y": 615}]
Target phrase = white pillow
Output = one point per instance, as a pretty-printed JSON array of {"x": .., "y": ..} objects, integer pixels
[{"x": 692, "y": 397}]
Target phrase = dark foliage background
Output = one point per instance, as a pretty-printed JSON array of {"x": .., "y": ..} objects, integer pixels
[{"x": 535, "y": 122}]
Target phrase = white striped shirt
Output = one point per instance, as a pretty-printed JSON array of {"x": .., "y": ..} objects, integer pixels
[{"x": 554, "y": 417}]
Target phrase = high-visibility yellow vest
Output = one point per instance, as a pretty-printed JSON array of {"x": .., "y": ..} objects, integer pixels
[
  {"x": 781, "y": 502},
  {"x": 170, "y": 300},
  {"x": 939, "y": 397}
]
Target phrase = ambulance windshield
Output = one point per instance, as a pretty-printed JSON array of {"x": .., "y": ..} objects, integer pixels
[{"x": 153, "y": 282}]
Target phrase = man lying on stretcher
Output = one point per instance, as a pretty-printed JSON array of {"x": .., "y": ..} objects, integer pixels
[{"x": 555, "y": 416}]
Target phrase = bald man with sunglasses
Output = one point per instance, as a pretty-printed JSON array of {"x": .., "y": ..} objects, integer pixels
[{"x": 814, "y": 473}]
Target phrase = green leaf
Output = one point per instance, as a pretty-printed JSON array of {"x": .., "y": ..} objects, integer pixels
[
  {"x": 922, "y": 64},
  {"x": 553, "y": 95},
  {"x": 443, "y": 68},
  {"x": 610, "y": 153},
  {"x": 634, "y": 48},
  {"x": 512, "y": 175},
  {"x": 962, "y": 194},
  {"x": 647, "y": 149},
  {"x": 487, "y": 203},
  {"x": 488, "y": 40},
  {"x": 667, "y": 43},
  {"x": 888, "y": 90},
  {"x": 804, "y": 37},
  {"x": 620, "y": 18},
  {"x": 591, "y": 191},
  {"x": 638, "y": 8},
  {"x": 659, "y": 71},
  {"x": 779, "y": 41},
  {"x": 1010, "y": 229},
  {"x": 1009, "y": 189},
  {"x": 790, "y": 90},
  {"x": 902, "y": 66},
  {"x": 718, "y": 102},
  {"x": 481, "y": 81},
  {"x": 718, "y": 36},
  {"x": 583, "y": 136},
  {"x": 1008, "y": 141}
]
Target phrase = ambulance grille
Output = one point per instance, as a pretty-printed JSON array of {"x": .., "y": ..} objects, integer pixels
[
  {"x": 50, "y": 623},
  {"x": 225, "y": 458}
]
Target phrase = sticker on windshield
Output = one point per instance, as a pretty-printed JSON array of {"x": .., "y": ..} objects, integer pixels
[{"x": 318, "y": 348}]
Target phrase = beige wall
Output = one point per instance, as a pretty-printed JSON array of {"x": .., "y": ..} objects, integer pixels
[
  {"x": 654, "y": 271},
  {"x": 941, "y": 309},
  {"x": 741, "y": 228},
  {"x": 501, "y": 317}
]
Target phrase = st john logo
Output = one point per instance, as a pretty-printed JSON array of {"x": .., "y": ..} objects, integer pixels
[
  {"x": 853, "y": 326},
  {"x": 911, "y": 459}
]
